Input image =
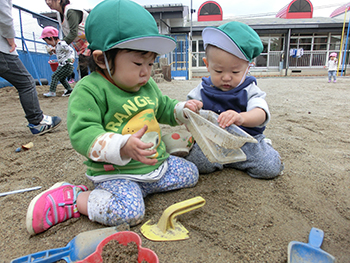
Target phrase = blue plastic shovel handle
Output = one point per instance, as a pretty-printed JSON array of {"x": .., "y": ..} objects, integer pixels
[
  {"x": 47, "y": 256},
  {"x": 316, "y": 237},
  {"x": 78, "y": 248}
]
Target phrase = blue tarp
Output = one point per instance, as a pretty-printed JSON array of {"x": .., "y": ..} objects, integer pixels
[{"x": 40, "y": 61}]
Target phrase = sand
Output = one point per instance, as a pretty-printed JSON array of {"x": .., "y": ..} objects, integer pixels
[{"x": 244, "y": 219}]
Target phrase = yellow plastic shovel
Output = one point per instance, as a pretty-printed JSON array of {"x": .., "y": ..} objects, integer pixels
[{"x": 168, "y": 229}]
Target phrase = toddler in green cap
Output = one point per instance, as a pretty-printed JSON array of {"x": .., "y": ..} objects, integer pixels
[
  {"x": 236, "y": 97},
  {"x": 113, "y": 120}
]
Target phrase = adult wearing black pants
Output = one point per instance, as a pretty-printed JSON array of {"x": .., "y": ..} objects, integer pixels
[
  {"x": 13, "y": 70},
  {"x": 72, "y": 22}
]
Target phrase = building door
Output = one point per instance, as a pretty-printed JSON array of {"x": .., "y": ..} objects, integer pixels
[{"x": 179, "y": 58}]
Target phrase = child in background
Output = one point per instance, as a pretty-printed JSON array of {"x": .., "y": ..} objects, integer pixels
[
  {"x": 65, "y": 57},
  {"x": 113, "y": 120},
  {"x": 71, "y": 78},
  {"x": 332, "y": 65},
  {"x": 236, "y": 97}
]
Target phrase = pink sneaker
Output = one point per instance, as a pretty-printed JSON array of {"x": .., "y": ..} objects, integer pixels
[{"x": 53, "y": 206}]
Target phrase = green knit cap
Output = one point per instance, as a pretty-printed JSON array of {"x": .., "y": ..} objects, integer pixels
[
  {"x": 236, "y": 38},
  {"x": 127, "y": 25}
]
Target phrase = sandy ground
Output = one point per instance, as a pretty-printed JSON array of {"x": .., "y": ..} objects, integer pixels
[{"x": 244, "y": 219}]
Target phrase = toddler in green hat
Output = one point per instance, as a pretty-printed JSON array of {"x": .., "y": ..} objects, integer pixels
[
  {"x": 236, "y": 97},
  {"x": 113, "y": 120}
]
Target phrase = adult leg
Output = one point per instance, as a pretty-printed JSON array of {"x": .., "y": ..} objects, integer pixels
[
  {"x": 13, "y": 70},
  {"x": 83, "y": 65}
]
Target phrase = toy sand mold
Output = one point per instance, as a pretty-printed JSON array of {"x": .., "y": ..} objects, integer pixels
[
  {"x": 299, "y": 252},
  {"x": 218, "y": 145},
  {"x": 168, "y": 229},
  {"x": 78, "y": 248}
]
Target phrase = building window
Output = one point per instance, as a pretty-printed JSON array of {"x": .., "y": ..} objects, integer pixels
[
  {"x": 335, "y": 42},
  {"x": 265, "y": 42},
  {"x": 197, "y": 53},
  {"x": 300, "y": 6},
  {"x": 210, "y": 9},
  {"x": 261, "y": 61},
  {"x": 194, "y": 46},
  {"x": 302, "y": 42},
  {"x": 276, "y": 43},
  {"x": 305, "y": 43},
  {"x": 200, "y": 46},
  {"x": 320, "y": 43},
  {"x": 200, "y": 60}
]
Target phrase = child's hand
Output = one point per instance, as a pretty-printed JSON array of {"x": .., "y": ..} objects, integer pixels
[
  {"x": 230, "y": 117},
  {"x": 51, "y": 50},
  {"x": 194, "y": 105},
  {"x": 252, "y": 118},
  {"x": 137, "y": 150}
]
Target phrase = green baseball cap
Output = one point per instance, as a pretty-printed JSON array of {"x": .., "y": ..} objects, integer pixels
[
  {"x": 234, "y": 37},
  {"x": 125, "y": 24}
]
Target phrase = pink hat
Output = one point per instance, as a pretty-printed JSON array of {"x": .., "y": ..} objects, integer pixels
[
  {"x": 333, "y": 54},
  {"x": 49, "y": 31}
]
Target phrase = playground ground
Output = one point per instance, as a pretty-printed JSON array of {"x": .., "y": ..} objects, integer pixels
[{"x": 244, "y": 219}]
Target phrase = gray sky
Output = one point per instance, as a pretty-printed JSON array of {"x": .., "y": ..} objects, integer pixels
[{"x": 230, "y": 7}]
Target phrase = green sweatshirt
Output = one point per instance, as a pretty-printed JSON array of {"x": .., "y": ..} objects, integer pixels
[{"x": 96, "y": 106}]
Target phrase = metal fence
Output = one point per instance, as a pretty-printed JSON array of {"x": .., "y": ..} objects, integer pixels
[
  {"x": 31, "y": 49},
  {"x": 309, "y": 59}
]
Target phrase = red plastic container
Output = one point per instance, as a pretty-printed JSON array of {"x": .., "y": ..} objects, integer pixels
[
  {"x": 53, "y": 65},
  {"x": 124, "y": 238}
]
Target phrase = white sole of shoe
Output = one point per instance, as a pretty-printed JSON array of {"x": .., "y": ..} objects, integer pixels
[{"x": 49, "y": 130}]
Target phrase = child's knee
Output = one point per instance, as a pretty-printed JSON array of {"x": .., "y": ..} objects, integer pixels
[
  {"x": 183, "y": 173},
  {"x": 131, "y": 215},
  {"x": 112, "y": 210},
  {"x": 269, "y": 171},
  {"x": 194, "y": 174}
]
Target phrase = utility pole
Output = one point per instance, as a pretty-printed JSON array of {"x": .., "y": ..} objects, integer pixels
[{"x": 190, "y": 48}]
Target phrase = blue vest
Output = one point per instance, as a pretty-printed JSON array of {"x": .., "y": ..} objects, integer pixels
[{"x": 236, "y": 99}]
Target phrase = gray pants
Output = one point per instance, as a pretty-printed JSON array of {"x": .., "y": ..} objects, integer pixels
[
  {"x": 263, "y": 161},
  {"x": 13, "y": 70}
]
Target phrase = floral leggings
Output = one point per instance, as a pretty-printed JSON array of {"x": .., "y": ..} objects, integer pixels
[{"x": 119, "y": 201}]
